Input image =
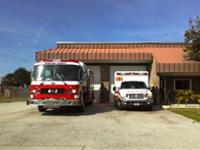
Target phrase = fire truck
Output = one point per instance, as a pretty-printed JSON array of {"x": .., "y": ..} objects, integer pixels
[
  {"x": 58, "y": 84},
  {"x": 132, "y": 89}
]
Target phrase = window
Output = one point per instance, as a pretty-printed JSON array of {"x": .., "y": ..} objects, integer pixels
[{"x": 182, "y": 84}]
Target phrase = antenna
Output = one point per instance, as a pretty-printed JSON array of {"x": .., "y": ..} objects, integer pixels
[{"x": 166, "y": 38}]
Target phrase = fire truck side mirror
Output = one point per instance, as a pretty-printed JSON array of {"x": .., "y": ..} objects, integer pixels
[
  {"x": 81, "y": 74},
  {"x": 114, "y": 88}
]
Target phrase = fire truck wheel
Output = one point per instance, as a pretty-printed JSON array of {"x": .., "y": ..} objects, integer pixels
[
  {"x": 41, "y": 109},
  {"x": 82, "y": 107},
  {"x": 90, "y": 103},
  {"x": 115, "y": 103}
]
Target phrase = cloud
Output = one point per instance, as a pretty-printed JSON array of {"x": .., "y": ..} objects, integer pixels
[
  {"x": 9, "y": 30},
  {"x": 39, "y": 33},
  {"x": 20, "y": 44}
]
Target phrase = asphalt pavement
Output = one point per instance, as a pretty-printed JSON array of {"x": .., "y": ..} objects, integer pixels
[{"x": 99, "y": 127}]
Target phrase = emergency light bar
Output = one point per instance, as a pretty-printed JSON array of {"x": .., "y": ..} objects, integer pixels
[{"x": 132, "y": 73}]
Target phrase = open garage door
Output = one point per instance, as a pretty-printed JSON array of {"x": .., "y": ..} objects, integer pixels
[
  {"x": 113, "y": 69},
  {"x": 97, "y": 81}
]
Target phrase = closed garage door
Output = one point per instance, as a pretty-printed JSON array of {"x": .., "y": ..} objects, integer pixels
[
  {"x": 113, "y": 69},
  {"x": 97, "y": 81}
]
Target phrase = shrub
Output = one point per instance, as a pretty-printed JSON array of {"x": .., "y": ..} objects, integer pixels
[
  {"x": 183, "y": 96},
  {"x": 196, "y": 98}
]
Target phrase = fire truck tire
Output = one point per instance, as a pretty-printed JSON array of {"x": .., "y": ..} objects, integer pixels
[
  {"x": 82, "y": 108},
  {"x": 115, "y": 103},
  {"x": 90, "y": 103},
  {"x": 41, "y": 109}
]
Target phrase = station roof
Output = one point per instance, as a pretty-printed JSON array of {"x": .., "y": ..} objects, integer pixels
[{"x": 169, "y": 57}]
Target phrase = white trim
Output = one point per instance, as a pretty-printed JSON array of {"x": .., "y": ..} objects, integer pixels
[
  {"x": 56, "y": 63},
  {"x": 55, "y": 82},
  {"x": 190, "y": 80}
]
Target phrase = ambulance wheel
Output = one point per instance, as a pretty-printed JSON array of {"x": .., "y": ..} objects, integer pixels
[
  {"x": 119, "y": 106},
  {"x": 149, "y": 107},
  {"x": 41, "y": 109}
]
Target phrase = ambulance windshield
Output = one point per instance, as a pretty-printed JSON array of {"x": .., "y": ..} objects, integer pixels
[{"x": 133, "y": 85}]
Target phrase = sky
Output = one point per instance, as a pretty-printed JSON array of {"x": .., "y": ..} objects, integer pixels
[{"x": 27, "y": 26}]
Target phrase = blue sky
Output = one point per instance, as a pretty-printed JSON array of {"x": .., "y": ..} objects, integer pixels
[{"x": 30, "y": 25}]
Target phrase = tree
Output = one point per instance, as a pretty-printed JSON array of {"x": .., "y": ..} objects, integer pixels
[
  {"x": 8, "y": 80},
  {"x": 192, "y": 39},
  {"x": 20, "y": 77}
]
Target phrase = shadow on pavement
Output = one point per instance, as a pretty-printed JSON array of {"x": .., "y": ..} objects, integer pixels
[
  {"x": 94, "y": 109},
  {"x": 74, "y": 111},
  {"x": 142, "y": 108}
]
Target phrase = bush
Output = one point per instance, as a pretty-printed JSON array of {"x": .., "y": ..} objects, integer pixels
[
  {"x": 196, "y": 97},
  {"x": 185, "y": 96}
]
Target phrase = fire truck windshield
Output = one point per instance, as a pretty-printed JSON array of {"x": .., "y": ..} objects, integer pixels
[{"x": 56, "y": 73}]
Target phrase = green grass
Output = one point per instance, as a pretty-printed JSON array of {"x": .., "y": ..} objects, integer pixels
[
  {"x": 11, "y": 99},
  {"x": 192, "y": 113}
]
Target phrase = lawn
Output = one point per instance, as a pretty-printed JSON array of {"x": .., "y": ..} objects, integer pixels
[
  {"x": 193, "y": 113},
  {"x": 11, "y": 99}
]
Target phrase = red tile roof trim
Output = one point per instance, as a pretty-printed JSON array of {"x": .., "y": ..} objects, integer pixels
[{"x": 168, "y": 56}]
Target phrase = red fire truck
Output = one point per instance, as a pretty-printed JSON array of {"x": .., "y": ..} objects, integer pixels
[{"x": 61, "y": 83}]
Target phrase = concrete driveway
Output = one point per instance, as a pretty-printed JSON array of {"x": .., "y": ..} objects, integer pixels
[{"x": 99, "y": 127}]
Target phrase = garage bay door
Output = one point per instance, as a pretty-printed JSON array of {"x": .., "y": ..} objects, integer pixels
[{"x": 113, "y": 69}]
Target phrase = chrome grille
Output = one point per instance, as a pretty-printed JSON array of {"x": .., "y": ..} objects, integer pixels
[{"x": 136, "y": 96}]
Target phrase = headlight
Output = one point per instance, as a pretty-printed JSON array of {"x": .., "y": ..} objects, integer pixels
[
  {"x": 76, "y": 96},
  {"x": 74, "y": 91},
  {"x": 31, "y": 96},
  {"x": 149, "y": 93},
  {"x": 35, "y": 91},
  {"x": 146, "y": 95}
]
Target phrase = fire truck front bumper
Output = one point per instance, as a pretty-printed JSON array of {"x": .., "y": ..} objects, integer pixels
[{"x": 54, "y": 103}]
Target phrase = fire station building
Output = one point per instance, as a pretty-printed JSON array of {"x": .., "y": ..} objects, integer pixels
[{"x": 168, "y": 69}]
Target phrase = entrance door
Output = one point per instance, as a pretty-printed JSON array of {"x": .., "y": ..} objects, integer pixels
[
  {"x": 104, "y": 96},
  {"x": 162, "y": 90}
]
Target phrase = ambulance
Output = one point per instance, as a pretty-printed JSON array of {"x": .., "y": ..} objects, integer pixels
[{"x": 132, "y": 89}]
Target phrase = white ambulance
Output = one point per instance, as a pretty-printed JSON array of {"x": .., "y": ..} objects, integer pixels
[{"x": 132, "y": 89}]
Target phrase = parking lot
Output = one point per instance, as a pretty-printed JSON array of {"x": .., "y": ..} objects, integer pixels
[{"x": 99, "y": 127}]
